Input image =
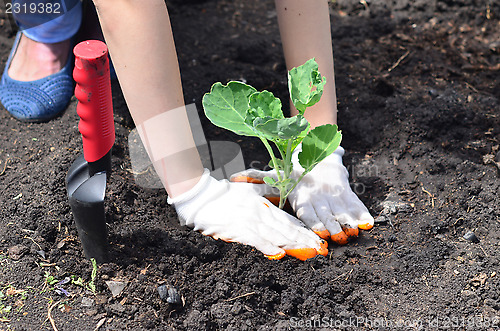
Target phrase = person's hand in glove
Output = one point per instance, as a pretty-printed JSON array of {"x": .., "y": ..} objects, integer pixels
[
  {"x": 323, "y": 199},
  {"x": 236, "y": 213}
]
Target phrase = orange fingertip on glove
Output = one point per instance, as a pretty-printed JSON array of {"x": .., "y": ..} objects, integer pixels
[
  {"x": 302, "y": 253},
  {"x": 323, "y": 248},
  {"x": 299, "y": 253},
  {"x": 325, "y": 234},
  {"x": 276, "y": 257},
  {"x": 366, "y": 226},
  {"x": 340, "y": 238},
  {"x": 351, "y": 232}
]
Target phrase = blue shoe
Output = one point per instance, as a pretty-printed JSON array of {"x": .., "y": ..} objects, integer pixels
[{"x": 39, "y": 100}]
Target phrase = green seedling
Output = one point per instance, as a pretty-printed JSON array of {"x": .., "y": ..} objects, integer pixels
[
  {"x": 49, "y": 279},
  {"x": 49, "y": 282},
  {"x": 78, "y": 281},
  {"x": 242, "y": 109},
  {"x": 52, "y": 282},
  {"x": 5, "y": 309},
  {"x": 11, "y": 299},
  {"x": 93, "y": 275}
]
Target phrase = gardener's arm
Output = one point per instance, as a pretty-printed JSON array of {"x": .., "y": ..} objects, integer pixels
[
  {"x": 142, "y": 48},
  {"x": 323, "y": 199},
  {"x": 305, "y": 34},
  {"x": 141, "y": 45}
]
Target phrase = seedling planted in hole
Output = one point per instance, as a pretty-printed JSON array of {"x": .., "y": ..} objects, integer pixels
[
  {"x": 240, "y": 108},
  {"x": 52, "y": 283},
  {"x": 93, "y": 275}
]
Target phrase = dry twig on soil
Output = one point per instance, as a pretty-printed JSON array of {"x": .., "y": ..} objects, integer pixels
[
  {"x": 4, "y": 167},
  {"x": 398, "y": 61},
  {"x": 49, "y": 315},
  {"x": 240, "y": 296}
]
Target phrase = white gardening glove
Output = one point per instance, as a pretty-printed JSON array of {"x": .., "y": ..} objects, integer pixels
[
  {"x": 323, "y": 199},
  {"x": 236, "y": 213}
]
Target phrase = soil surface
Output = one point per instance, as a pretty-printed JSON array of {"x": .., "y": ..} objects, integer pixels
[{"x": 418, "y": 89}]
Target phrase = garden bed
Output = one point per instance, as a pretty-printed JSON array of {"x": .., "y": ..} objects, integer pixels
[{"x": 418, "y": 89}]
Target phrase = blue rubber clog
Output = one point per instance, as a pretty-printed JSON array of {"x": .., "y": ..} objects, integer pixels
[{"x": 39, "y": 100}]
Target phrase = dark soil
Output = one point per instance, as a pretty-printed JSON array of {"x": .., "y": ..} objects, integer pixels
[{"x": 418, "y": 88}]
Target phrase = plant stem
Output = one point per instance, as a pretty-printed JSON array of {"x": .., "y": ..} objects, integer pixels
[
  {"x": 279, "y": 149},
  {"x": 288, "y": 159},
  {"x": 295, "y": 184},
  {"x": 273, "y": 158},
  {"x": 287, "y": 171}
]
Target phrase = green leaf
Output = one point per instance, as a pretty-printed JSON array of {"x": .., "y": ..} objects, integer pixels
[
  {"x": 93, "y": 275},
  {"x": 284, "y": 128},
  {"x": 91, "y": 284},
  {"x": 226, "y": 106},
  {"x": 318, "y": 144},
  {"x": 77, "y": 281},
  {"x": 301, "y": 137},
  {"x": 270, "y": 181},
  {"x": 263, "y": 104},
  {"x": 283, "y": 143},
  {"x": 91, "y": 287},
  {"x": 305, "y": 85}
]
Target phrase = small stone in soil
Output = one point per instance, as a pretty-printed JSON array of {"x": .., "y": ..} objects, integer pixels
[
  {"x": 61, "y": 244},
  {"x": 16, "y": 252},
  {"x": 169, "y": 294},
  {"x": 116, "y": 288},
  {"x": 471, "y": 236},
  {"x": 163, "y": 292},
  {"x": 381, "y": 219},
  {"x": 91, "y": 312},
  {"x": 41, "y": 253},
  {"x": 87, "y": 302},
  {"x": 394, "y": 207}
]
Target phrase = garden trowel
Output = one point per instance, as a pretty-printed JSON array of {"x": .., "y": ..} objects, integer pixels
[{"x": 86, "y": 179}]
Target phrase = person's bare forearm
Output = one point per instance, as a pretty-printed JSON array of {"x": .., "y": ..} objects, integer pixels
[
  {"x": 305, "y": 33},
  {"x": 141, "y": 46}
]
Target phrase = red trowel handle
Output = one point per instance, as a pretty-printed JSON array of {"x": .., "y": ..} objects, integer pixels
[{"x": 95, "y": 106}]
